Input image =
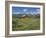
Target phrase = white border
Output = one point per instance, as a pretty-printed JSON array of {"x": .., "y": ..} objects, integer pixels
[{"x": 31, "y": 31}]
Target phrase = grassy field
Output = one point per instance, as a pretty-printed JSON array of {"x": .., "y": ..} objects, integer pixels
[{"x": 25, "y": 23}]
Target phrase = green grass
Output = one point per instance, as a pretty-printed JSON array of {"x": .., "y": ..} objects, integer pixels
[{"x": 25, "y": 23}]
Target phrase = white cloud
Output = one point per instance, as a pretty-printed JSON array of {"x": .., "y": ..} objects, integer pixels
[
  {"x": 25, "y": 10},
  {"x": 16, "y": 12},
  {"x": 38, "y": 10}
]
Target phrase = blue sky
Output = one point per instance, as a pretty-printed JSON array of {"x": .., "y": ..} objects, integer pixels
[{"x": 25, "y": 10}]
